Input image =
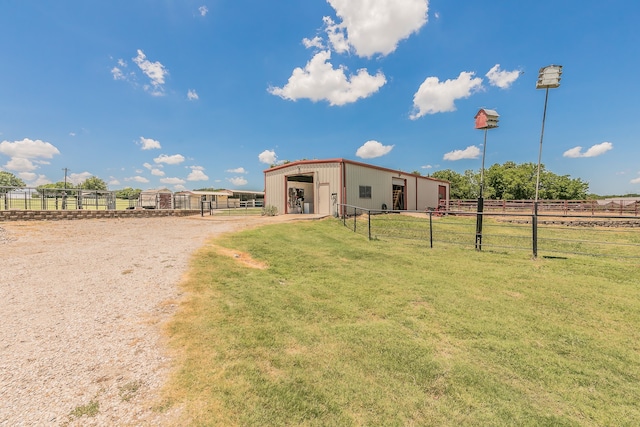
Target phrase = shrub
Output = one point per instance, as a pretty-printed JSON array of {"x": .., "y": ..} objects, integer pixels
[{"x": 269, "y": 210}]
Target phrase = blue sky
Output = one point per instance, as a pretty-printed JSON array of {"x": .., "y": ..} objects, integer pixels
[{"x": 208, "y": 93}]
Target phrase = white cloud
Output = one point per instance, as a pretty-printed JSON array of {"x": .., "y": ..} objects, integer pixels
[
  {"x": 236, "y": 170},
  {"x": 268, "y": 157},
  {"x": 79, "y": 178},
  {"x": 500, "y": 78},
  {"x": 336, "y": 36},
  {"x": 170, "y": 160},
  {"x": 320, "y": 81},
  {"x": 373, "y": 149},
  {"x": 197, "y": 174},
  {"x": 28, "y": 149},
  {"x": 635, "y": 180},
  {"x": 238, "y": 181},
  {"x": 140, "y": 179},
  {"x": 117, "y": 74},
  {"x": 23, "y": 155},
  {"x": 172, "y": 181},
  {"x": 149, "y": 144},
  {"x": 192, "y": 95},
  {"x": 20, "y": 164},
  {"x": 41, "y": 180},
  {"x": 179, "y": 187},
  {"x": 113, "y": 181},
  {"x": 28, "y": 176},
  {"x": 154, "y": 70},
  {"x": 436, "y": 15},
  {"x": 593, "y": 151},
  {"x": 378, "y": 26},
  {"x": 203, "y": 10},
  {"x": 33, "y": 179},
  {"x": 471, "y": 152},
  {"x": 157, "y": 172},
  {"x": 434, "y": 96},
  {"x": 315, "y": 42},
  {"x": 426, "y": 167}
]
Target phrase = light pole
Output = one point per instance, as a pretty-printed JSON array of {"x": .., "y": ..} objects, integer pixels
[
  {"x": 548, "y": 78},
  {"x": 485, "y": 119}
]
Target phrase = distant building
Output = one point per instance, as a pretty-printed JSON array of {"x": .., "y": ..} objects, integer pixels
[
  {"x": 318, "y": 186},
  {"x": 192, "y": 199}
]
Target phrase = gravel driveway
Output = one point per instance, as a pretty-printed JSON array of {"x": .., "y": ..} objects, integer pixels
[{"x": 81, "y": 304}]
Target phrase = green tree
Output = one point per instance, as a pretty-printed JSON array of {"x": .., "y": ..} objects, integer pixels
[
  {"x": 556, "y": 187},
  {"x": 56, "y": 185},
  {"x": 511, "y": 181},
  {"x": 9, "y": 181},
  {"x": 93, "y": 183},
  {"x": 128, "y": 193},
  {"x": 460, "y": 184}
]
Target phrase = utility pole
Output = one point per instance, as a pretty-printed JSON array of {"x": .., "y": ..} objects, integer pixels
[{"x": 65, "y": 177}]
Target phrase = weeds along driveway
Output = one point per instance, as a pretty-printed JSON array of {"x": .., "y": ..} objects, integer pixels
[{"x": 82, "y": 303}]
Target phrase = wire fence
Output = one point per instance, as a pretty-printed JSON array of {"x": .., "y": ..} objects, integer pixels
[{"x": 546, "y": 235}]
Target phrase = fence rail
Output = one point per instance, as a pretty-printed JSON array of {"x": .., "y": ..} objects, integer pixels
[
  {"x": 613, "y": 206},
  {"x": 545, "y": 235}
]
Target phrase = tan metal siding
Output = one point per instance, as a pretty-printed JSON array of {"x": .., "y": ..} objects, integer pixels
[
  {"x": 420, "y": 192},
  {"x": 380, "y": 182},
  {"x": 428, "y": 193},
  {"x": 276, "y": 182}
]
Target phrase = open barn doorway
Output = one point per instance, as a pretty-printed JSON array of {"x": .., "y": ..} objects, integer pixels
[
  {"x": 300, "y": 194},
  {"x": 399, "y": 194}
]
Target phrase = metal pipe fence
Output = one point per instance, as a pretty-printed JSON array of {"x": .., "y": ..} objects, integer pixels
[
  {"x": 43, "y": 199},
  {"x": 29, "y": 198},
  {"x": 546, "y": 235},
  {"x": 614, "y": 206},
  {"x": 240, "y": 209}
]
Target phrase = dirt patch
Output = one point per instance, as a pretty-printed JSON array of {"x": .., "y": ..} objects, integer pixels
[
  {"x": 241, "y": 257},
  {"x": 83, "y": 303}
]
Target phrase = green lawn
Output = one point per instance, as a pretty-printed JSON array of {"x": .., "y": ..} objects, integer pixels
[{"x": 339, "y": 330}]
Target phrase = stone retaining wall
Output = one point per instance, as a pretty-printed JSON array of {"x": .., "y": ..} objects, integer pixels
[{"x": 20, "y": 215}]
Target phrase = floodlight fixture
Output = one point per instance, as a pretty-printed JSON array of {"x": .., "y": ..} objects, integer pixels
[{"x": 549, "y": 77}]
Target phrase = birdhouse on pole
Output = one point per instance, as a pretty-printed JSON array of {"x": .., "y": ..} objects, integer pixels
[{"x": 487, "y": 119}]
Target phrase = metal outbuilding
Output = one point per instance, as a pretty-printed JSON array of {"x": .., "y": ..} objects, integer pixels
[
  {"x": 319, "y": 186},
  {"x": 161, "y": 198}
]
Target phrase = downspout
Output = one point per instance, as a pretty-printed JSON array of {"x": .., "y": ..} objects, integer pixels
[
  {"x": 286, "y": 196},
  {"x": 406, "y": 195},
  {"x": 416, "y": 192},
  {"x": 343, "y": 186}
]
